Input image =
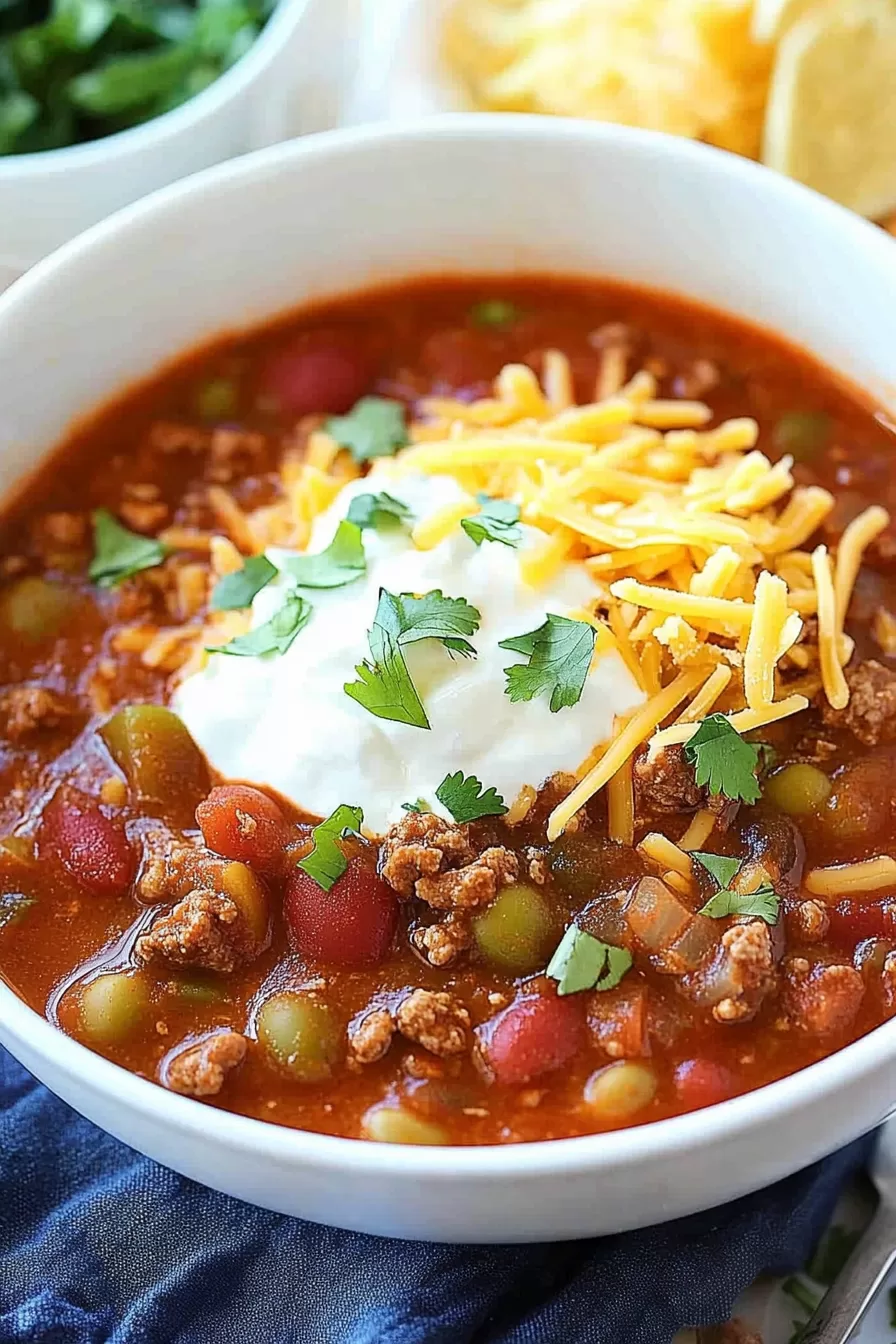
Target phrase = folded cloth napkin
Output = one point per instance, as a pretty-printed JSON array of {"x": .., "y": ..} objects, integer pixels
[{"x": 100, "y": 1244}]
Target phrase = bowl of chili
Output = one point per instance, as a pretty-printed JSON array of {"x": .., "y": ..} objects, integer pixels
[{"x": 381, "y": 975}]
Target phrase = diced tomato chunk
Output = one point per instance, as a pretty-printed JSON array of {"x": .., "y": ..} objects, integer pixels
[
  {"x": 533, "y": 1035},
  {"x": 302, "y": 379},
  {"x": 90, "y": 845},
  {"x": 245, "y": 824},
  {"x": 852, "y": 920},
  {"x": 702, "y": 1082},
  {"x": 352, "y": 924}
]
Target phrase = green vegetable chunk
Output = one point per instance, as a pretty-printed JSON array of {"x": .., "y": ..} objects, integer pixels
[
  {"x": 496, "y": 313},
  {"x": 300, "y": 1035},
  {"x": 36, "y": 608},
  {"x": 393, "y": 1124},
  {"x": 216, "y": 399},
  {"x": 799, "y": 789},
  {"x": 111, "y": 1006},
  {"x": 516, "y": 931},
  {"x": 159, "y": 758},
  {"x": 620, "y": 1089}
]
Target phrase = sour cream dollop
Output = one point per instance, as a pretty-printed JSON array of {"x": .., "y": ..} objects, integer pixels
[{"x": 286, "y": 721}]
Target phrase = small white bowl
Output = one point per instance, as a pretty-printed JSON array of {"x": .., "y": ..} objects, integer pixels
[
  {"x": 281, "y": 87},
  {"x": 331, "y": 214}
]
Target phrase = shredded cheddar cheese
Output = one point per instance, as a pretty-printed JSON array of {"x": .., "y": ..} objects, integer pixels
[{"x": 870, "y": 875}]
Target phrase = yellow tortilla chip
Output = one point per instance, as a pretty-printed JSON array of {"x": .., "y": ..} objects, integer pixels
[{"x": 831, "y": 113}]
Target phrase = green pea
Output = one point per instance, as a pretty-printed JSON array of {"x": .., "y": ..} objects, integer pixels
[
  {"x": 517, "y": 931},
  {"x": 798, "y": 789},
  {"x": 162, "y": 763},
  {"x": 216, "y": 399},
  {"x": 111, "y": 1007},
  {"x": 391, "y": 1124},
  {"x": 620, "y": 1090},
  {"x": 301, "y": 1036},
  {"x": 36, "y": 608}
]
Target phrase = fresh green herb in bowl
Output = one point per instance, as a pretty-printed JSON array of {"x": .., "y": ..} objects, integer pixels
[{"x": 78, "y": 70}]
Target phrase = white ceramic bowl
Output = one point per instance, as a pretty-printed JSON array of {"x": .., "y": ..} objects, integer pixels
[
  {"x": 332, "y": 214},
  {"x": 278, "y": 89}
]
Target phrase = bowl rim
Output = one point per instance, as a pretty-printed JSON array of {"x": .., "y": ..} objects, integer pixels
[
  {"x": 723, "y": 1122},
  {"x": 271, "y": 39}
]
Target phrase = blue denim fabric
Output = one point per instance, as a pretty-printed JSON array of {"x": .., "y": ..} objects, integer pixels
[{"x": 101, "y": 1246}]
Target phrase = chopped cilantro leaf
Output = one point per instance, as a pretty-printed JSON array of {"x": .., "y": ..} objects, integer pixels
[
  {"x": 342, "y": 562},
  {"x": 498, "y": 520},
  {"x": 421, "y": 805},
  {"x": 326, "y": 863},
  {"x": 238, "y": 589},
  {"x": 582, "y": 961},
  {"x": 559, "y": 654},
  {"x": 431, "y": 616},
  {"x": 118, "y": 553},
  {"x": 385, "y": 687},
  {"x": 723, "y": 760},
  {"x": 499, "y": 313},
  {"x": 275, "y": 636},
  {"x": 763, "y": 903},
  {"x": 720, "y": 868},
  {"x": 466, "y": 800},
  {"x": 374, "y": 427},
  {"x": 382, "y": 512}
]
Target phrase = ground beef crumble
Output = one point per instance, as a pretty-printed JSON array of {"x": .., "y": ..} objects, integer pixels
[
  {"x": 28, "y": 710},
  {"x": 200, "y": 1070},
  {"x": 871, "y": 712},
  {"x": 665, "y": 783},
  {"x": 436, "y": 1020},
  {"x": 370, "y": 1035},
  {"x": 442, "y": 943},
  {"x": 204, "y": 929},
  {"x": 432, "y": 859}
]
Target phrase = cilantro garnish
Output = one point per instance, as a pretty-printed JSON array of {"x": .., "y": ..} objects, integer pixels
[
  {"x": 275, "y": 636},
  {"x": 582, "y": 961},
  {"x": 464, "y": 797},
  {"x": 498, "y": 313},
  {"x": 763, "y": 903},
  {"x": 421, "y": 805},
  {"x": 723, "y": 760},
  {"x": 382, "y": 512},
  {"x": 326, "y": 863},
  {"x": 374, "y": 427},
  {"x": 385, "y": 687},
  {"x": 559, "y": 654},
  {"x": 342, "y": 562},
  {"x": 118, "y": 553},
  {"x": 720, "y": 867},
  {"x": 497, "y": 521},
  {"x": 238, "y": 589}
]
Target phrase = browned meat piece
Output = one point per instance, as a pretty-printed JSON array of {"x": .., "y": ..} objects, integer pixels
[
  {"x": 422, "y": 845},
  {"x": 143, "y": 515},
  {"x": 437, "y": 1021},
  {"x": 665, "y": 784},
  {"x": 234, "y": 452},
  {"x": 473, "y": 885},
  {"x": 441, "y": 943},
  {"x": 871, "y": 712},
  {"x": 62, "y": 530},
  {"x": 200, "y": 1070},
  {"x": 739, "y": 975},
  {"x": 167, "y": 436},
  {"x": 370, "y": 1035},
  {"x": 823, "y": 1000},
  {"x": 204, "y": 929},
  {"x": 31, "y": 709},
  {"x": 810, "y": 921},
  {"x": 170, "y": 867}
]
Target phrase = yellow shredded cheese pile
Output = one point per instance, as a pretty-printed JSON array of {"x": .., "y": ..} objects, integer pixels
[{"x": 696, "y": 542}]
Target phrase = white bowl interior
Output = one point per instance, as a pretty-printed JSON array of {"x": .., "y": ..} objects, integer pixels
[{"x": 331, "y": 215}]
